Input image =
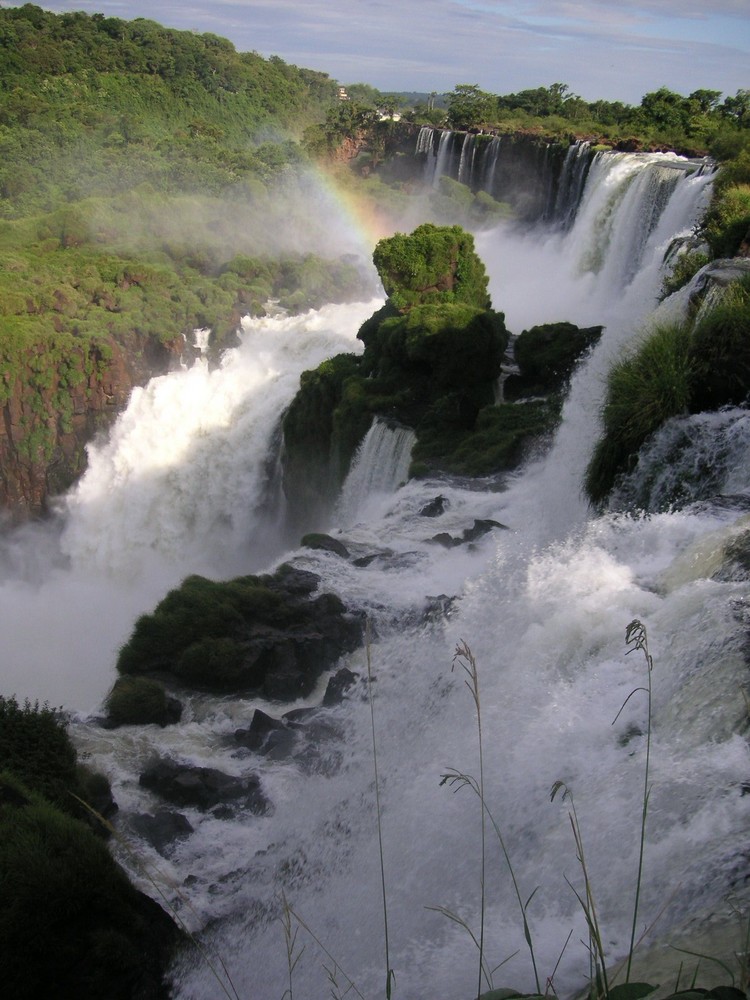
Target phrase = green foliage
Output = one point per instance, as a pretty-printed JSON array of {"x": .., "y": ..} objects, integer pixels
[
  {"x": 727, "y": 222},
  {"x": 470, "y": 107},
  {"x": 546, "y": 356},
  {"x": 720, "y": 351},
  {"x": 433, "y": 263},
  {"x": 81, "y": 94},
  {"x": 137, "y": 701},
  {"x": 651, "y": 383},
  {"x": 36, "y": 748},
  {"x": 71, "y": 925},
  {"x": 456, "y": 204},
  {"x": 685, "y": 267}
]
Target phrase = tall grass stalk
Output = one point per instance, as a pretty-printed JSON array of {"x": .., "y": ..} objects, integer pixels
[
  {"x": 390, "y": 975},
  {"x": 465, "y": 658},
  {"x": 637, "y": 638},
  {"x": 336, "y": 967},
  {"x": 458, "y": 779},
  {"x": 588, "y": 905},
  {"x": 293, "y": 955}
]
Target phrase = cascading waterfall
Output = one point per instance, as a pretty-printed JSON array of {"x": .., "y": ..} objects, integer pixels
[
  {"x": 183, "y": 484},
  {"x": 380, "y": 466},
  {"x": 543, "y": 606}
]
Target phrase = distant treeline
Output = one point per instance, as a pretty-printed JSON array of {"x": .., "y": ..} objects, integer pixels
[{"x": 701, "y": 122}]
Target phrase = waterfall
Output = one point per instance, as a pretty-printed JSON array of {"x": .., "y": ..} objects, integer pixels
[
  {"x": 380, "y": 465},
  {"x": 186, "y": 482},
  {"x": 543, "y": 604}
]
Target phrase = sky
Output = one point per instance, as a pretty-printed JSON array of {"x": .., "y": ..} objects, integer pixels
[{"x": 609, "y": 49}]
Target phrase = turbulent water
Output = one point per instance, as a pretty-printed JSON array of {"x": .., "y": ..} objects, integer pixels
[{"x": 187, "y": 482}]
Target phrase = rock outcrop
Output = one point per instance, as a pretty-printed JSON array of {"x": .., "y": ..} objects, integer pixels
[{"x": 56, "y": 394}]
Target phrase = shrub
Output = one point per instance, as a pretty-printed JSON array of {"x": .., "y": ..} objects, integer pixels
[
  {"x": 644, "y": 388},
  {"x": 727, "y": 222},
  {"x": 71, "y": 924},
  {"x": 720, "y": 350},
  {"x": 35, "y": 747}
]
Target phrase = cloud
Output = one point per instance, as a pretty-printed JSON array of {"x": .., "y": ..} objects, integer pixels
[{"x": 615, "y": 49}]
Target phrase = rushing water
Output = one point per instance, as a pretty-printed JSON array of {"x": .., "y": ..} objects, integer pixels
[{"x": 185, "y": 484}]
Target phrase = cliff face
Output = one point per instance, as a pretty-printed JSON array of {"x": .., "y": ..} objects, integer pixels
[{"x": 55, "y": 399}]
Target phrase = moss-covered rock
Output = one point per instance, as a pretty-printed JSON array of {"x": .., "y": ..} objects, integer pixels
[
  {"x": 260, "y": 633},
  {"x": 676, "y": 368},
  {"x": 501, "y": 438},
  {"x": 432, "y": 264},
  {"x": 432, "y": 356},
  {"x": 318, "y": 448},
  {"x": 140, "y": 701},
  {"x": 546, "y": 356}
]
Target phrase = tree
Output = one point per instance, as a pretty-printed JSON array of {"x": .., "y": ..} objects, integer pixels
[
  {"x": 738, "y": 108},
  {"x": 470, "y": 107},
  {"x": 665, "y": 110}
]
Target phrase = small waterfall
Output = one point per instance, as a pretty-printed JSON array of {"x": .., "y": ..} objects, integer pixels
[
  {"x": 688, "y": 459},
  {"x": 466, "y": 161},
  {"x": 443, "y": 156},
  {"x": 523, "y": 170},
  {"x": 570, "y": 189},
  {"x": 379, "y": 467}
]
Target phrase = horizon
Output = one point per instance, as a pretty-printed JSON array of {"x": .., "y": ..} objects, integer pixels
[{"x": 615, "y": 50}]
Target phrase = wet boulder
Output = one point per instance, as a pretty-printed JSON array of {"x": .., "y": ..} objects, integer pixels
[
  {"x": 266, "y": 634},
  {"x": 203, "y": 788},
  {"x": 140, "y": 701},
  {"x": 162, "y": 828},
  {"x": 325, "y": 543}
]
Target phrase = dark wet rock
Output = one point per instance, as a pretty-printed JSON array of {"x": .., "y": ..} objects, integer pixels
[
  {"x": 162, "y": 828},
  {"x": 445, "y": 539},
  {"x": 271, "y": 737},
  {"x": 388, "y": 559},
  {"x": 325, "y": 543},
  {"x": 338, "y": 686},
  {"x": 481, "y": 527},
  {"x": 295, "y": 582},
  {"x": 439, "y": 607},
  {"x": 435, "y": 507},
  {"x": 477, "y": 530},
  {"x": 365, "y": 561},
  {"x": 203, "y": 788}
]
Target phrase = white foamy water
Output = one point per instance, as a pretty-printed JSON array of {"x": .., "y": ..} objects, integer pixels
[
  {"x": 184, "y": 484},
  {"x": 543, "y": 600}
]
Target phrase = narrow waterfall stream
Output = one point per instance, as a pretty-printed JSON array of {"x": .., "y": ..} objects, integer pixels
[{"x": 543, "y": 602}]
